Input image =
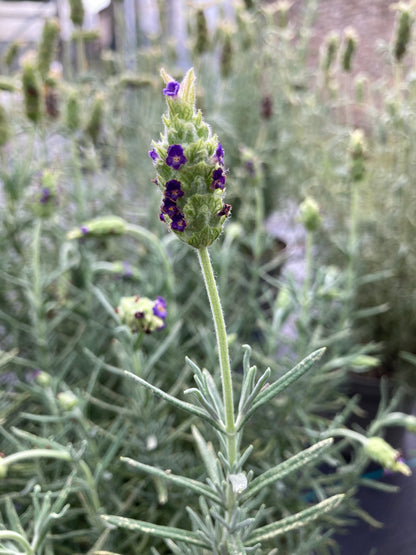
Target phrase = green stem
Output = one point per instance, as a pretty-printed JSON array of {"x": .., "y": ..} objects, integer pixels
[
  {"x": 224, "y": 359},
  {"x": 34, "y": 454},
  {"x": 352, "y": 250},
  {"x": 14, "y": 536},
  {"x": 39, "y": 322}
]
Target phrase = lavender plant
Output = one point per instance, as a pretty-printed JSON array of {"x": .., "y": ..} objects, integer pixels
[{"x": 190, "y": 172}]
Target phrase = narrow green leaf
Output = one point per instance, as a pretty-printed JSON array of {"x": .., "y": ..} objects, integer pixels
[
  {"x": 284, "y": 468},
  {"x": 282, "y": 383},
  {"x": 293, "y": 522},
  {"x": 13, "y": 518},
  {"x": 194, "y": 485},
  {"x": 14, "y": 536},
  {"x": 188, "y": 407},
  {"x": 155, "y": 530},
  {"x": 207, "y": 455}
]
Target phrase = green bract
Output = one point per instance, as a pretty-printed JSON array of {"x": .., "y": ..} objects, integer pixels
[{"x": 189, "y": 164}]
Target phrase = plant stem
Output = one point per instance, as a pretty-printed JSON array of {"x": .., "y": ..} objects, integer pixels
[
  {"x": 222, "y": 344},
  {"x": 31, "y": 454},
  {"x": 18, "y": 538},
  {"x": 39, "y": 322}
]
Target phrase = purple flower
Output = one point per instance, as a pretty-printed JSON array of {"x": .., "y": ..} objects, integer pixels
[
  {"x": 218, "y": 179},
  {"x": 178, "y": 222},
  {"x": 127, "y": 269},
  {"x": 225, "y": 210},
  {"x": 159, "y": 308},
  {"x": 219, "y": 155},
  {"x": 173, "y": 190},
  {"x": 84, "y": 230},
  {"x": 153, "y": 154},
  {"x": 162, "y": 217},
  {"x": 175, "y": 157},
  {"x": 172, "y": 89},
  {"x": 169, "y": 208},
  {"x": 45, "y": 196}
]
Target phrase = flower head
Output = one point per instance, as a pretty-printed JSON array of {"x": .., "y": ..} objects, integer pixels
[
  {"x": 377, "y": 449},
  {"x": 142, "y": 314},
  {"x": 173, "y": 190},
  {"x": 175, "y": 157},
  {"x": 218, "y": 179},
  {"x": 98, "y": 227},
  {"x": 192, "y": 205},
  {"x": 171, "y": 89}
]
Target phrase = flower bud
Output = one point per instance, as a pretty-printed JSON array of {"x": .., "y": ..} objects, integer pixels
[
  {"x": 282, "y": 12},
  {"x": 266, "y": 110},
  {"x": 95, "y": 122},
  {"x": 226, "y": 61},
  {"x": 190, "y": 168},
  {"x": 99, "y": 227},
  {"x": 11, "y": 53},
  {"x": 47, "y": 46},
  {"x": 141, "y": 314},
  {"x": 201, "y": 30},
  {"x": 360, "y": 84},
  {"x": 67, "y": 400},
  {"x": 358, "y": 153},
  {"x": 32, "y": 93},
  {"x": 73, "y": 112},
  {"x": 329, "y": 51},
  {"x": 378, "y": 450},
  {"x": 403, "y": 29},
  {"x": 350, "y": 45},
  {"x": 51, "y": 99},
  {"x": 43, "y": 378},
  {"x": 309, "y": 215},
  {"x": 77, "y": 12},
  {"x": 43, "y": 197}
]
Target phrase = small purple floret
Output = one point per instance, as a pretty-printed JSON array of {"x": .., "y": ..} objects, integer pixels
[
  {"x": 84, "y": 230},
  {"x": 127, "y": 269},
  {"x": 159, "y": 308},
  {"x": 219, "y": 155},
  {"x": 175, "y": 157},
  {"x": 218, "y": 179},
  {"x": 169, "y": 208},
  {"x": 173, "y": 190},
  {"x": 153, "y": 154},
  {"x": 225, "y": 210},
  {"x": 178, "y": 222},
  {"x": 46, "y": 195},
  {"x": 172, "y": 89}
]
